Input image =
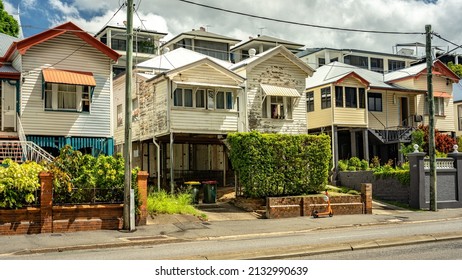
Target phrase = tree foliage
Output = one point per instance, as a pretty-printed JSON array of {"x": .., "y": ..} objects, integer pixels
[
  {"x": 456, "y": 68},
  {"x": 8, "y": 25},
  {"x": 443, "y": 143},
  {"x": 279, "y": 164}
]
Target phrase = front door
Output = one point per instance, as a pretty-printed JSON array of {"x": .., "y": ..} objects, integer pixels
[
  {"x": 8, "y": 108},
  {"x": 404, "y": 111}
]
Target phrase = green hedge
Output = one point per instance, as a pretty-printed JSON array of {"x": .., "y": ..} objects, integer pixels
[{"x": 280, "y": 164}]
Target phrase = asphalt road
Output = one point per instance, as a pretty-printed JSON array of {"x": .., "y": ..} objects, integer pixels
[
  {"x": 441, "y": 250},
  {"x": 269, "y": 246}
]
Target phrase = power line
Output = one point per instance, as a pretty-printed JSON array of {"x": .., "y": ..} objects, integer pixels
[
  {"x": 301, "y": 24},
  {"x": 446, "y": 40}
]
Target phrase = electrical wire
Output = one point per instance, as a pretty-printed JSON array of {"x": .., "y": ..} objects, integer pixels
[
  {"x": 301, "y": 24},
  {"x": 446, "y": 40}
]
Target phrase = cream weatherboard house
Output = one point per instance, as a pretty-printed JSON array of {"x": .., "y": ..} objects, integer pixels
[
  {"x": 369, "y": 114},
  {"x": 59, "y": 88},
  {"x": 189, "y": 102}
]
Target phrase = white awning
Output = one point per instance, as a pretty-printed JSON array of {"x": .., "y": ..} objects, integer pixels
[
  {"x": 207, "y": 85},
  {"x": 279, "y": 91}
]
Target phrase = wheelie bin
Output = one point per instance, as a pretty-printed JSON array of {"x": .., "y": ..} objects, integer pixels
[
  {"x": 210, "y": 191},
  {"x": 194, "y": 187}
]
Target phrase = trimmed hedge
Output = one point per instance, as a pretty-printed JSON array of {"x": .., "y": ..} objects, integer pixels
[{"x": 280, "y": 164}]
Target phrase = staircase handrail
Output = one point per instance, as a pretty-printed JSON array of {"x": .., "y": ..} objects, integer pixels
[{"x": 29, "y": 148}]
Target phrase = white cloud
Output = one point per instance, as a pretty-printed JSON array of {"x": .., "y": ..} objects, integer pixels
[{"x": 174, "y": 17}]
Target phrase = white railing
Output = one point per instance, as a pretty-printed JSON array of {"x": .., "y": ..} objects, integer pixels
[
  {"x": 441, "y": 163},
  {"x": 30, "y": 150},
  {"x": 23, "y": 151}
]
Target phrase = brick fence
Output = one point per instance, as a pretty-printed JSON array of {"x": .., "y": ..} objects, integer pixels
[
  {"x": 48, "y": 218},
  {"x": 295, "y": 206}
]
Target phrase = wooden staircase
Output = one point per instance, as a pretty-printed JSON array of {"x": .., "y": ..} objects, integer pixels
[
  {"x": 20, "y": 151},
  {"x": 11, "y": 149}
]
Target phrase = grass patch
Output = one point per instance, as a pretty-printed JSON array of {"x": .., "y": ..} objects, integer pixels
[{"x": 163, "y": 203}]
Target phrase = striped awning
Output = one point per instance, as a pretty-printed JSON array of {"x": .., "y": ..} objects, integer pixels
[
  {"x": 441, "y": 94},
  {"x": 68, "y": 77},
  {"x": 279, "y": 91}
]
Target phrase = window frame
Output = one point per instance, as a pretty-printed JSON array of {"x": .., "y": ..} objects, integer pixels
[
  {"x": 439, "y": 106},
  {"x": 282, "y": 104},
  {"x": 326, "y": 98},
  {"x": 351, "y": 97},
  {"x": 339, "y": 96},
  {"x": 56, "y": 95},
  {"x": 310, "y": 101},
  {"x": 374, "y": 96}
]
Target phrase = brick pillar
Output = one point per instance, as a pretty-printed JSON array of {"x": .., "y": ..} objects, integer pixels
[
  {"x": 143, "y": 191},
  {"x": 46, "y": 202},
  {"x": 366, "y": 197}
]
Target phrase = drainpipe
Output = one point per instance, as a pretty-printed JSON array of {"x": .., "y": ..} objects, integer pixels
[
  {"x": 172, "y": 183},
  {"x": 158, "y": 162}
]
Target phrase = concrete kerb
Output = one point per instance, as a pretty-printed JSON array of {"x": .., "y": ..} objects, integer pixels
[{"x": 261, "y": 254}]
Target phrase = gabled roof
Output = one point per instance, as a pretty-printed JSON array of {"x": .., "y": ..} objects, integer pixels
[
  {"x": 202, "y": 34},
  {"x": 336, "y": 71},
  {"x": 266, "y": 40},
  {"x": 24, "y": 45},
  {"x": 439, "y": 68},
  {"x": 178, "y": 58},
  {"x": 259, "y": 58}
]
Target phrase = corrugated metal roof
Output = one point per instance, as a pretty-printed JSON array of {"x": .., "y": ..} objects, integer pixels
[
  {"x": 68, "y": 77},
  {"x": 8, "y": 69},
  {"x": 279, "y": 91},
  {"x": 207, "y": 85}
]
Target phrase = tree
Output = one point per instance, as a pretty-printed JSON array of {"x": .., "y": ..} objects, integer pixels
[
  {"x": 456, "y": 68},
  {"x": 8, "y": 25}
]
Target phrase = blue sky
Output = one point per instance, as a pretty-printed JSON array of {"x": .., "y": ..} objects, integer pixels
[{"x": 174, "y": 17}]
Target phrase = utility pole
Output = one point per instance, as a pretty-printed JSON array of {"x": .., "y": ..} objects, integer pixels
[
  {"x": 431, "y": 122},
  {"x": 128, "y": 224}
]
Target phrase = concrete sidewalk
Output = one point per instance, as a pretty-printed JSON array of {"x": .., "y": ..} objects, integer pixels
[{"x": 223, "y": 223}]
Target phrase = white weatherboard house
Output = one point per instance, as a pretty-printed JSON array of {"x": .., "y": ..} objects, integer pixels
[
  {"x": 59, "y": 86},
  {"x": 188, "y": 103}
]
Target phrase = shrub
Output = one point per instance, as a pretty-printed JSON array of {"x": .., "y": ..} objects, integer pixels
[
  {"x": 364, "y": 164},
  {"x": 343, "y": 165},
  {"x": 354, "y": 161},
  {"x": 18, "y": 183},
  {"x": 163, "y": 203},
  {"x": 83, "y": 179},
  {"x": 280, "y": 164}
]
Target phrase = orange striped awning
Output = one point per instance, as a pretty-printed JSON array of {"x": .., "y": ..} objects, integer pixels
[
  {"x": 68, "y": 77},
  {"x": 441, "y": 94}
]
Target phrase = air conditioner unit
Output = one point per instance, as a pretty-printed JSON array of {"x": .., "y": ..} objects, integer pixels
[{"x": 418, "y": 118}]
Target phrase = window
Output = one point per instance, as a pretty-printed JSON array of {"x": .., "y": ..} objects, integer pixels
[
  {"x": 189, "y": 98},
  {"x": 394, "y": 65},
  {"x": 321, "y": 61},
  {"x": 377, "y": 64},
  {"x": 338, "y": 96},
  {"x": 362, "y": 97},
  {"x": 439, "y": 106},
  {"x": 119, "y": 44},
  {"x": 459, "y": 116},
  {"x": 325, "y": 98},
  {"x": 120, "y": 116},
  {"x": 229, "y": 100},
  {"x": 200, "y": 98},
  {"x": 182, "y": 97},
  {"x": 355, "y": 60},
  {"x": 277, "y": 107},
  {"x": 351, "y": 98},
  {"x": 135, "y": 110},
  {"x": 310, "y": 101},
  {"x": 65, "y": 97},
  {"x": 374, "y": 100}
]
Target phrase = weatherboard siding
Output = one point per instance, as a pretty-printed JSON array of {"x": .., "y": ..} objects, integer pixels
[
  {"x": 278, "y": 71},
  {"x": 319, "y": 117},
  {"x": 204, "y": 74},
  {"x": 70, "y": 53},
  {"x": 203, "y": 121}
]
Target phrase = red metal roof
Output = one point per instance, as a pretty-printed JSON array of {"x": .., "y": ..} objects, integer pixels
[
  {"x": 68, "y": 77},
  {"x": 441, "y": 94}
]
